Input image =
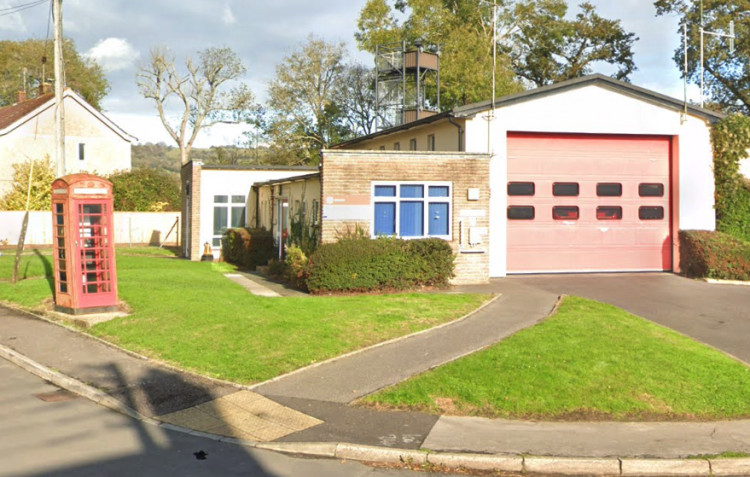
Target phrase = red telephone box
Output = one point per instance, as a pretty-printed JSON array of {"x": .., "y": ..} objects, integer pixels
[{"x": 83, "y": 245}]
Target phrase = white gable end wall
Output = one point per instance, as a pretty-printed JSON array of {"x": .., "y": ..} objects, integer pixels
[
  {"x": 595, "y": 110},
  {"x": 105, "y": 150}
]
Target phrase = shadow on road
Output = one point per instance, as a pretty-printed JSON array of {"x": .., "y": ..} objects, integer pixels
[{"x": 114, "y": 445}]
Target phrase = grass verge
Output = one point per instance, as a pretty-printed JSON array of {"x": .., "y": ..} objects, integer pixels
[
  {"x": 189, "y": 314},
  {"x": 588, "y": 361}
]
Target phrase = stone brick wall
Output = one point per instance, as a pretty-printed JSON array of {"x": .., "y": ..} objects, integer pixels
[
  {"x": 190, "y": 176},
  {"x": 346, "y": 189}
]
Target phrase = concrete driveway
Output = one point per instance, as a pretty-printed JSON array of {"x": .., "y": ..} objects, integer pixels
[{"x": 718, "y": 315}]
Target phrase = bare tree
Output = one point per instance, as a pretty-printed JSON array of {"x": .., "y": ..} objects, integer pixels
[
  {"x": 357, "y": 99},
  {"x": 202, "y": 92}
]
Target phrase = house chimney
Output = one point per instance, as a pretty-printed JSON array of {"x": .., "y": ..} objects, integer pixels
[
  {"x": 21, "y": 97},
  {"x": 45, "y": 88}
]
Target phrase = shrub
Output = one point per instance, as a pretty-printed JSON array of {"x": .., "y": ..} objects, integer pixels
[
  {"x": 145, "y": 190},
  {"x": 303, "y": 235},
  {"x": 718, "y": 255},
  {"x": 297, "y": 268},
  {"x": 731, "y": 140},
  {"x": 380, "y": 264},
  {"x": 248, "y": 248},
  {"x": 39, "y": 199}
]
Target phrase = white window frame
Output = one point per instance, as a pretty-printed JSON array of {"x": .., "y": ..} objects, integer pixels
[
  {"x": 228, "y": 205},
  {"x": 426, "y": 200}
]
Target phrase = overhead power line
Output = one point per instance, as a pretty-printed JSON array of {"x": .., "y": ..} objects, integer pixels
[{"x": 5, "y": 11}]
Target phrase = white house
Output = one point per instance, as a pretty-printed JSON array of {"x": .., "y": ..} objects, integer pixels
[{"x": 93, "y": 142}]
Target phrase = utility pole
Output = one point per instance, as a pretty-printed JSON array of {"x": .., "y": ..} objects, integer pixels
[{"x": 59, "y": 88}]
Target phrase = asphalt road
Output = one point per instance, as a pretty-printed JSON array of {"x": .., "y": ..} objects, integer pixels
[{"x": 69, "y": 436}]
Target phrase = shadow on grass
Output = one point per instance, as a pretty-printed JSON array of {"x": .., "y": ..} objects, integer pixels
[{"x": 49, "y": 273}]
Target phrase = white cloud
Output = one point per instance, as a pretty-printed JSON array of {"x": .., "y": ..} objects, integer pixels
[
  {"x": 113, "y": 54},
  {"x": 228, "y": 17},
  {"x": 13, "y": 21}
]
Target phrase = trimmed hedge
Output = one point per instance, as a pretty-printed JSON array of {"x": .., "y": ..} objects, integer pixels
[
  {"x": 248, "y": 248},
  {"x": 380, "y": 264},
  {"x": 718, "y": 255}
]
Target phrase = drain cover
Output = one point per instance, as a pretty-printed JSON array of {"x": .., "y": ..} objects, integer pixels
[{"x": 60, "y": 395}]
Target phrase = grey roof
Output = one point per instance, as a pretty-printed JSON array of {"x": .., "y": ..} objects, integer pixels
[
  {"x": 623, "y": 87},
  {"x": 595, "y": 79},
  {"x": 288, "y": 179},
  {"x": 257, "y": 167}
]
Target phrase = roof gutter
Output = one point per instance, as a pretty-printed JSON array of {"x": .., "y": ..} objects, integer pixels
[{"x": 460, "y": 133}]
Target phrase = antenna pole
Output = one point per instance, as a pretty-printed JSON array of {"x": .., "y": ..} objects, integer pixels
[
  {"x": 701, "y": 28},
  {"x": 685, "y": 74}
]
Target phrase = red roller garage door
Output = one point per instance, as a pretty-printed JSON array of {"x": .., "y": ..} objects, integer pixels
[{"x": 579, "y": 203}]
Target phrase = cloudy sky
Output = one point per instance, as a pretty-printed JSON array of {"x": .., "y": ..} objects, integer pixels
[{"x": 120, "y": 33}]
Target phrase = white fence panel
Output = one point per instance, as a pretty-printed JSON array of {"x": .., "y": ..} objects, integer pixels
[{"x": 135, "y": 228}]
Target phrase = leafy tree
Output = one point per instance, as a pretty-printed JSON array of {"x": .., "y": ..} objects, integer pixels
[
  {"x": 547, "y": 48},
  {"x": 145, "y": 190},
  {"x": 41, "y": 186},
  {"x": 727, "y": 75},
  {"x": 82, "y": 75},
  {"x": 537, "y": 42},
  {"x": 304, "y": 115},
  {"x": 201, "y": 93},
  {"x": 461, "y": 29}
]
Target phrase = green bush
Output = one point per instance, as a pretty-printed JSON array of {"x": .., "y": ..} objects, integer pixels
[
  {"x": 731, "y": 140},
  {"x": 379, "y": 264},
  {"x": 248, "y": 248},
  {"x": 145, "y": 190},
  {"x": 297, "y": 267},
  {"x": 718, "y": 255}
]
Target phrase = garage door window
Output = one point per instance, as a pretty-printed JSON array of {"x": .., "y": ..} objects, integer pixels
[
  {"x": 412, "y": 210},
  {"x": 565, "y": 189},
  {"x": 565, "y": 212},
  {"x": 609, "y": 212},
  {"x": 521, "y": 212},
  {"x": 651, "y": 213},
  {"x": 651, "y": 190},
  {"x": 521, "y": 188},
  {"x": 609, "y": 189}
]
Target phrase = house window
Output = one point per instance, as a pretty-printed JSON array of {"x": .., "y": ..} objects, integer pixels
[
  {"x": 81, "y": 151},
  {"x": 396, "y": 146},
  {"x": 411, "y": 209},
  {"x": 382, "y": 148},
  {"x": 431, "y": 142},
  {"x": 229, "y": 211},
  {"x": 412, "y": 144},
  {"x": 315, "y": 211}
]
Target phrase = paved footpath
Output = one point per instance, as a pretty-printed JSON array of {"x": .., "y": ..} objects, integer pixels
[
  {"x": 306, "y": 412},
  {"x": 344, "y": 380}
]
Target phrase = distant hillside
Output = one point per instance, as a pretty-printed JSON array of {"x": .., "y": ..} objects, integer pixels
[{"x": 162, "y": 156}]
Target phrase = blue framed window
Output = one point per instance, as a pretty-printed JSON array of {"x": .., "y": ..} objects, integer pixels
[{"x": 412, "y": 209}]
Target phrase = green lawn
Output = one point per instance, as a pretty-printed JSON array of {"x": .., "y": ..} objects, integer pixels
[
  {"x": 588, "y": 361},
  {"x": 189, "y": 314}
]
